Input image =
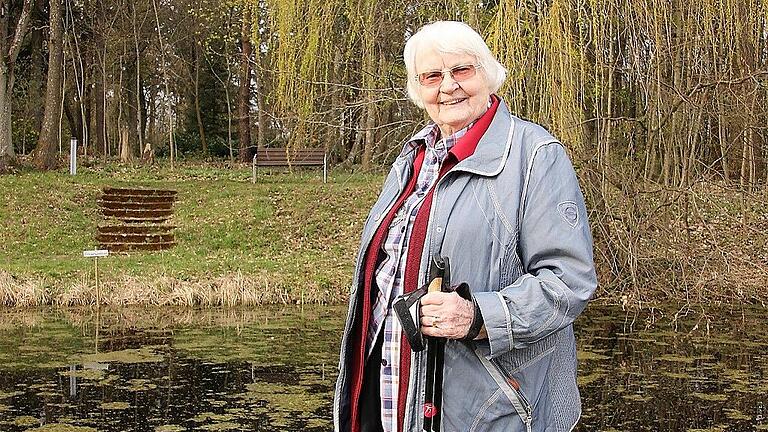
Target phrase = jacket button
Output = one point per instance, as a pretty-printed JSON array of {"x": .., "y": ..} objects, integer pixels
[{"x": 439, "y": 229}]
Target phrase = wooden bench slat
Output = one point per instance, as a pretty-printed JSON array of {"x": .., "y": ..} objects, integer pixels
[
  {"x": 282, "y": 164},
  {"x": 290, "y": 155},
  {"x": 283, "y": 157},
  {"x": 284, "y": 151},
  {"x": 288, "y": 162}
]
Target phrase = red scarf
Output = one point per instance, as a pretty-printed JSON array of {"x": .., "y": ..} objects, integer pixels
[{"x": 465, "y": 146}]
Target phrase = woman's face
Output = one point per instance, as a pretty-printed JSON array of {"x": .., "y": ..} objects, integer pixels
[{"x": 452, "y": 105}]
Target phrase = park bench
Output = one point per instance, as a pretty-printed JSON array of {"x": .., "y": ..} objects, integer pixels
[{"x": 289, "y": 157}]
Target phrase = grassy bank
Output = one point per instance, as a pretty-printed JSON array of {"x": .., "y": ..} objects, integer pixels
[
  {"x": 287, "y": 238},
  {"x": 290, "y": 238}
]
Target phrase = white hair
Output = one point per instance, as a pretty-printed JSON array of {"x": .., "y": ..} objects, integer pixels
[{"x": 455, "y": 38}]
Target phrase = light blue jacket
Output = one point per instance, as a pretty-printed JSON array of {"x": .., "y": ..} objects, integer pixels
[{"x": 511, "y": 219}]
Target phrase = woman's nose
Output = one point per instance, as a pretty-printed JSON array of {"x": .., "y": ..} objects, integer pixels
[{"x": 449, "y": 84}]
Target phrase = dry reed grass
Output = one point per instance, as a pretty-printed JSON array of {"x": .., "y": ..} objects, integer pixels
[
  {"x": 230, "y": 290},
  {"x": 23, "y": 292}
]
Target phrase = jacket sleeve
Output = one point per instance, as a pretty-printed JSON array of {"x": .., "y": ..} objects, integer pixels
[{"x": 555, "y": 250}]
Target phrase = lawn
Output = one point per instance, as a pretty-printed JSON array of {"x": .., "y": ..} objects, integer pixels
[{"x": 289, "y": 237}]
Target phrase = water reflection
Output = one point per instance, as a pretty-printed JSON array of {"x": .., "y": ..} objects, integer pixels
[
  {"x": 236, "y": 370},
  {"x": 274, "y": 369},
  {"x": 641, "y": 373}
]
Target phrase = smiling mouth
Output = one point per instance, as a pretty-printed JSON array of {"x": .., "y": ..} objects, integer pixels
[{"x": 453, "y": 102}]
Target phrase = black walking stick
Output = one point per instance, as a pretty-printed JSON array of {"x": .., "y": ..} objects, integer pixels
[
  {"x": 408, "y": 310},
  {"x": 440, "y": 280}
]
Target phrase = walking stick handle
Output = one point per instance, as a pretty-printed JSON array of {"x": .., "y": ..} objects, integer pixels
[{"x": 435, "y": 285}]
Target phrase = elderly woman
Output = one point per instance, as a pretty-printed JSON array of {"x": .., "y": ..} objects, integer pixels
[{"x": 498, "y": 196}]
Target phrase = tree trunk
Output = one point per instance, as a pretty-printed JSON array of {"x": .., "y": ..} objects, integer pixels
[
  {"x": 86, "y": 104},
  {"x": 126, "y": 153},
  {"x": 368, "y": 121},
  {"x": 37, "y": 68},
  {"x": 137, "y": 120},
  {"x": 369, "y": 143},
  {"x": 74, "y": 120},
  {"x": 723, "y": 145},
  {"x": 6, "y": 88},
  {"x": 8, "y": 55},
  {"x": 261, "y": 116},
  {"x": 356, "y": 144},
  {"x": 261, "y": 88},
  {"x": 100, "y": 99},
  {"x": 48, "y": 141},
  {"x": 130, "y": 141},
  {"x": 198, "y": 114},
  {"x": 244, "y": 94},
  {"x": 226, "y": 83}
]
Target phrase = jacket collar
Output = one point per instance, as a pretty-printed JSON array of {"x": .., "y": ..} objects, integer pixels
[
  {"x": 487, "y": 159},
  {"x": 492, "y": 150},
  {"x": 467, "y": 144}
]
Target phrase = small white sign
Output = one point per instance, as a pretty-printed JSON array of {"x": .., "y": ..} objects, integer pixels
[{"x": 95, "y": 253}]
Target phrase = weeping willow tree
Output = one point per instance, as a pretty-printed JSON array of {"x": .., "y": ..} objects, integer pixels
[
  {"x": 678, "y": 86},
  {"x": 652, "y": 98}
]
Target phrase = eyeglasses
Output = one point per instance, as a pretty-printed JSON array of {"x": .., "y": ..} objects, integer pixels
[{"x": 459, "y": 73}]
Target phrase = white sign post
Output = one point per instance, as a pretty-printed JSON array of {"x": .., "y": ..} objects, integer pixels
[
  {"x": 73, "y": 156},
  {"x": 96, "y": 254}
]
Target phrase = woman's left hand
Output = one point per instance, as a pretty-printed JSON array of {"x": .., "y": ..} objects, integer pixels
[{"x": 446, "y": 315}]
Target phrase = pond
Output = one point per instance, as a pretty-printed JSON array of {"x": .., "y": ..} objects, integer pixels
[{"x": 273, "y": 369}]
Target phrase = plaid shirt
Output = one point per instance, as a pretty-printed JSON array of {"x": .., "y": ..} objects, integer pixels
[{"x": 389, "y": 274}]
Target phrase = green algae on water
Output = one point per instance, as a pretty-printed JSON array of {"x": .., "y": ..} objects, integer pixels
[
  {"x": 585, "y": 380},
  {"x": 676, "y": 375},
  {"x": 710, "y": 397},
  {"x": 25, "y": 421},
  {"x": 62, "y": 427},
  {"x": 735, "y": 414},
  {"x": 138, "y": 384},
  {"x": 142, "y": 355},
  {"x": 712, "y": 429},
  {"x": 170, "y": 428},
  {"x": 86, "y": 374},
  {"x": 115, "y": 405},
  {"x": 589, "y": 355},
  {"x": 637, "y": 397},
  {"x": 202, "y": 417},
  {"x": 7, "y": 395},
  {"x": 224, "y": 426},
  {"x": 675, "y": 358}
]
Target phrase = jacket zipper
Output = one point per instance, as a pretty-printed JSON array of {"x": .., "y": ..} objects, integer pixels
[{"x": 528, "y": 418}]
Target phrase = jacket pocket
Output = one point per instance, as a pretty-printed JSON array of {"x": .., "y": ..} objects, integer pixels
[
  {"x": 496, "y": 414},
  {"x": 508, "y": 393}
]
